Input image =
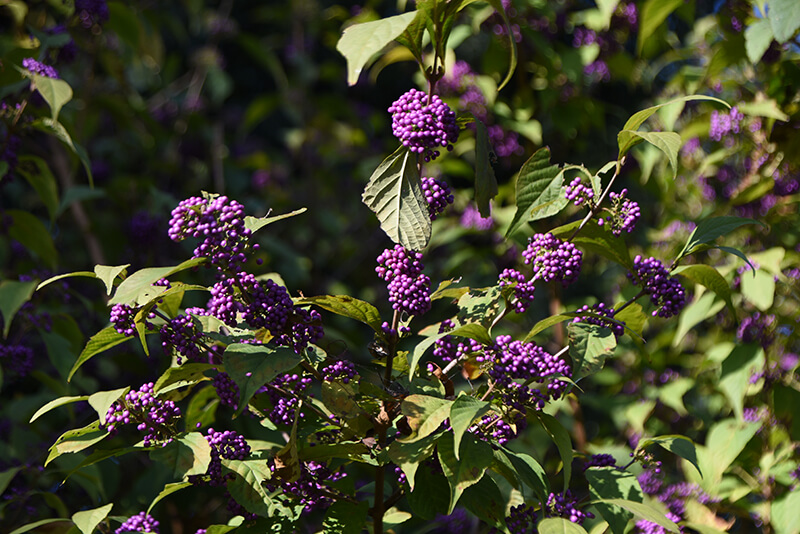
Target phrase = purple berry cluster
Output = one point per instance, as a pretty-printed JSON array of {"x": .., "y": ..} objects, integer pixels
[
  {"x": 757, "y": 328},
  {"x": 553, "y": 259},
  {"x": 310, "y": 489},
  {"x": 122, "y": 318},
  {"x": 39, "y": 69},
  {"x": 228, "y": 445},
  {"x": 181, "y": 334},
  {"x": 456, "y": 523},
  {"x": 342, "y": 370},
  {"x": 16, "y": 358},
  {"x": 472, "y": 219},
  {"x": 605, "y": 311},
  {"x": 437, "y": 194},
  {"x": 220, "y": 223},
  {"x": 91, "y": 12},
  {"x": 409, "y": 289},
  {"x": 625, "y": 213},
  {"x": 157, "y": 418},
  {"x": 284, "y": 397},
  {"x": 521, "y": 520},
  {"x": 494, "y": 429},
  {"x": 599, "y": 460},
  {"x": 724, "y": 123},
  {"x": 523, "y": 290},
  {"x": 578, "y": 193},
  {"x": 665, "y": 291},
  {"x": 141, "y": 522},
  {"x": 423, "y": 123},
  {"x": 227, "y": 390},
  {"x": 563, "y": 505},
  {"x": 674, "y": 496}
]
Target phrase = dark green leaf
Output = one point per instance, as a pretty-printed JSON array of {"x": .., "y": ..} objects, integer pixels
[
  {"x": 101, "y": 341},
  {"x": 169, "y": 489},
  {"x": 431, "y": 494},
  {"x": 246, "y": 487},
  {"x": 563, "y": 443},
  {"x": 464, "y": 410},
  {"x": 412, "y": 36},
  {"x": 42, "y": 180},
  {"x": 599, "y": 240},
  {"x": 784, "y": 16},
  {"x": 676, "y": 444},
  {"x": 485, "y": 501},
  {"x": 78, "y": 194},
  {"x": 254, "y": 224},
  {"x": 345, "y": 518},
  {"x": 7, "y": 476},
  {"x": 29, "y": 230},
  {"x": 512, "y": 44},
  {"x": 31, "y": 526},
  {"x": 347, "y": 307},
  {"x": 710, "y": 229},
  {"x": 485, "y": 181},
  {"x": 394, "y": 194},
  {"x": 589, "y": 346},
  {"x": 87, "y": 520},
  {"x": 708, "y": 277},
  {"x": 610, "y": 482},
  {"x": 530, "y": 472},
  {"x": 653, "y": 13},
  {"x": 360, "y": 42},
  {"x": 409, "y": 455},
  {"x": 87, "y": 274},
  {"x": 538, "y": 191},
  {"x": 425, "y": 415},
  {"x": 13, "y": 295},
  {"x": 53, "y": 127},
  {"x": 252, "y": 366},
  {"x": 187, "y": 455},
  {"x": 476, "y": 457}
]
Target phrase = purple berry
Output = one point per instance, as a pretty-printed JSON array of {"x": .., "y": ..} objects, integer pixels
[{"x": 423, "y": 124}]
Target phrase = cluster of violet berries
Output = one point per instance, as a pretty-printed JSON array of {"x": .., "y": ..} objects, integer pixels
[
  {"x": 523, "y": 290},
  {"x": 724, "y": 123},
  {"x": 342, "y": 370},
  {"x": 284, "y": 407},
  {"x": 228, "y": 445},
  {"x": 39, "y": 68},
  {"x": 600, "y": 309},
  {"x": 437, "y": 194},
  {"x": 563, "y": 505},
  {"x": 181, "y": 334},
  {"x": 157, "y": 418},
  {"x": 757, "y": 328},
  {"x": 141, "y": 522},
  {"x": 310, "y": 489},
  {"x": 578, "y": 193},
  {"x": 553, "y": 259},
  {"x": 409, "y": 289},
  {"x": 227, "y": 390},
  {"x": 665, "y": 291},
  {"x": 423, "y": 123},
  {"x": 625, "y": 213}
]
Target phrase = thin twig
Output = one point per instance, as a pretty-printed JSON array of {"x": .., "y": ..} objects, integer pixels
[{"x": 600, "y": 200}]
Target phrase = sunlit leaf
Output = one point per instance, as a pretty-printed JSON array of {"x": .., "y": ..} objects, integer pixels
[
  {"x": 87, "y": 520},
  {"x": 538, "y": 191},
  {"x": 348, "y": 307}
]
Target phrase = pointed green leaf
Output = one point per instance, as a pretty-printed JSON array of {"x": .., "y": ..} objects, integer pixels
[
  {"x": 254, "y": 224},
  {"x": 757, "y": 38},
  {"x": 667, "y": 142},
  {"x": 431, "y": 495},
  {"x": 653, "y": 13},
  {"x": 252, "y": 366},
  {"x": 475, "y": 459},
  {"x": 707, "y": 276},
  {"x": 187, "y": 374},
  {"x": 486, "y": 502},
  {"x": 633, "y": 317},
  {"x": 348, "y": 307},
  {"x": 102, "y": 401},
  {"x": 346, "y": 518},
  {"x": 76, "y": 440},
  {"x": 759, "y": 290},
  {"x": 34, "y": 236},
  {"x": 7, "y": 476},
  {"x": 37, "y": 172},
  {"x": 512, "y": 44},
  {"x": 412, "y": 36},
  {"x": 53, "y": 127},
  {"x": 464, "y": 410},
  {"x": 710, "y": 229},
  {"x": 559, "y": 525},
  {"x": 360, "y": 42},
  {"x": 741, "y": 364},
  {"x": 643, "y": 511},
  {"x": 109, "y": 273},
  {"x": 101, "y": 341},
  {"x": 530, "y": 472},
  {"x": 138, "y": 287},
  {"x": 485, "y": 180},
  {"x": 409, "y": 455},
  {"x": 37, "y": 524},
  {"x": 696, "y": 312},
  {"x": 784, "y": 16},
  {"x": 613, "y": 483},
  {"x": 184, "y": 456},
  {"x": 87, "y": 520},
  {"x": 725, "y": 441},
  {"x": 13, "y": 295},
  {"x": 394, "y": 194},
  {"x": 676, "y": 444},
  {"x": 763, "y": 108},
  {"x": 589, "y": 346},
  {"x": 55, "y": 92},
  {"x": 538, "y": 191},
  {"x": 562, "y": 440},
  {"x": 246, "y": 487},
  {"x": 784, "y": 517},
  {"x": 86, "y": 274},
  {"x": 599, "y": 240},
  {"x": 425, "y": 415},
  {"x": 169, "y": 489}
]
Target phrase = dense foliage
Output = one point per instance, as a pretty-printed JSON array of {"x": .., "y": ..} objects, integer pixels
[{"x": 421, "y": 267}]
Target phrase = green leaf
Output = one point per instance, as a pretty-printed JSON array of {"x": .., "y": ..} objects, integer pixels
[
  {"x": 696, "y": 312},
  {"x": 184, "y": 456},
  {"x": 530, "y": 472},
  {"x": 394, "y": 194},
  {"x": 138, "y": 288},
  {"x": 42, "y": 180},
  {"x": 187, "y": 374},
  {"x": 710, "y": 229},
  {"x": 55, "y": 92},
  {"x": 31, "y": 526},
  {"x": 667, "y": 142},
  {"x": 485, "y": 501},
  {"x": 102, "y": 401},
  {"x": 464, "y": 410},
  {"x": 29, "y": 230},
  {"x": 469, "y": 330},
  {"x": 425, "y": 415},
  {"x": 485, "y": 180},
  {"x": 431, "y": 494},
  {"x": 558, "y": 525},
  {"x": 409, "y": 455},
  {"x": 512, "y": 44},
  {"x": 348, "y": 307},
  {"x": 478, "y": 307},
  {"x": 633, "y": 317},
  {"x": 78, "y": 194},
  {"x": 653, "y": 13},
  {"x": 725, "y": 441},
  {"x": 784, "y": 517},
  {"x": 763, "y": 108},
  {"x": 757, "y": 38},
  {"x": 414, "y": 33},
  {"x": 671, "y": 394},
  {"x": 254, "y": 224},
  {"x": 538, "y": 191},
  {"x": 614, "y": 483},
  {"x": 707, "y": 276},
  {"x": 345, "y": 518},
  {"x": 246, "y": 488},
  {"x": 101, "y": 341},
  {"x": 784, "y": 16},
  {"x": 676, "y": 444},
  {"x": 109, "y": 273},
  {"x": 737, "y": 368},
  {"x": 643, "y": 511},
  {"x": 252, "y": 366},
  {"x": 202, "y": 408},
  {"x": 13, "y": 295},
  {"x": 563, "y": 443},
  {"x": 53, "y": 127},
  {"x": 87, "y": 520},
  {"x": 7, "y": 476},
  {"x": 169, "y": 489},
  {"x": 759, "y": 290},
  {"x": 589, "y": 346},
  {"x": 599, "y": 240},
  {"x": 546, "y": 323},
  {"x": 76, "y": 440},
  {"x": 87, "y": 274},
  {"x": 360, "y": 42},
  {"x": 475, "y": 459}
]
